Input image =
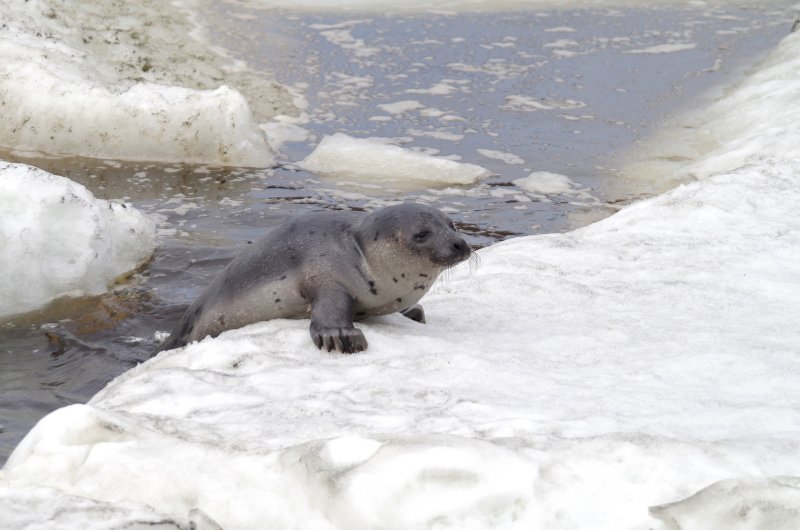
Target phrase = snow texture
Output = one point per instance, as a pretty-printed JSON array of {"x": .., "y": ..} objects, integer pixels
[
  {"x": 47, "y": 509},
  {"x": 43, "y": 259},
  {"x": 82, "y": 79},
  {"x": 361, "y": 160},
  {"x": 764, "y": 504},
  {"x": 570, "y": 382}
]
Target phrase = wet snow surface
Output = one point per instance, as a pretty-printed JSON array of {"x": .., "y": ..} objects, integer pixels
[{"x": 636, "y": 373}]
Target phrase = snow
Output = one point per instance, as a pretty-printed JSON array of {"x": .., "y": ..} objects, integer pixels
[
  {"x": 749, "y": 504},
  {"x": 86, "y": 80},
  {"x": 738, "y": 504},
  {"x": 48, "y": 509},
  {"x": 586, "y": 380},
  {"x": 370, "y": 161},
  {"x": 41, "y": 259}
]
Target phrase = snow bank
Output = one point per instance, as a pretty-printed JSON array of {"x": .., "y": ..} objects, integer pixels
[
  {"x": 47, "y": 509},
  {"x": 369, "y": 161},
  {"x": 751, "y": 123},
  {"x": 754, "y": 504},
  {"x": 41, "y": 258},
  {"x": 645, "y": 358},
  {"x": 87, "y": 79},
  {"x": 571, "y": 382}
]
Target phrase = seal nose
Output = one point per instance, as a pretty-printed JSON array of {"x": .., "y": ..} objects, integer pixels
[{"x": 461, "y": 248}]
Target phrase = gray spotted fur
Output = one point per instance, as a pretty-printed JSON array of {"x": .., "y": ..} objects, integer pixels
[{"x": 334, "y": 267}]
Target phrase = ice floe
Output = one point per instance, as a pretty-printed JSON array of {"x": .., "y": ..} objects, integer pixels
[
  {"x": 42, "y": 258},
  {"x": 355, "y": 159},
  {"x": 87, "y": 79}
]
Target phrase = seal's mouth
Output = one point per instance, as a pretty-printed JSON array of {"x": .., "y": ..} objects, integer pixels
[{"x": 459, "y": 251}]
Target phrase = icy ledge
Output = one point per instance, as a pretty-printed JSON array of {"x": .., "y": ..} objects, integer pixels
[
  {"x": 146, "y": 122},
  {"x": 57, "y": 239},
  {"x": 623, "y": 364},
  {"x": 768, "y": 504},
  {"x": 85, "y": 79}
]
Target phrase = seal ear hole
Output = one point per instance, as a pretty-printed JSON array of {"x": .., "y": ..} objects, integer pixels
[{"x": 421, "y": 236}]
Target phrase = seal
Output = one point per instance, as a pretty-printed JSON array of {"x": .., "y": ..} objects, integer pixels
[{"x": 334, "y": 267}]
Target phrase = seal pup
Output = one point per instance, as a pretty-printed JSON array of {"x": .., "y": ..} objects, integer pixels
[{"x": 334, "y": 267}]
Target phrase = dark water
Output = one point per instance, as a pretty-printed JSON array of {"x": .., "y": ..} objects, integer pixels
[{"x": 588, "y": 100}]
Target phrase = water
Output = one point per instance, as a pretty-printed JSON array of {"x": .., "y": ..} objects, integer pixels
[{"x": 560, "y": 91}]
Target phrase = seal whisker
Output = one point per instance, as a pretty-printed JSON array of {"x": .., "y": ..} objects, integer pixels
[
  {"x": 474, "y": 261},
  {"x": 448, "y": 276}
]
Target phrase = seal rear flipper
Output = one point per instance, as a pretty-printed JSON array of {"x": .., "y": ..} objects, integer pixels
[
  {"x": 332, "y": 322},
  {"x": 182, "y": 334},
  {"x": 415, "y": 313},
  {"x": 171, "y": 343}
]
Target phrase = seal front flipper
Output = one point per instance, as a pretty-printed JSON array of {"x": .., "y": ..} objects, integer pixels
[
  {"x": 332, "y": 322},
  {"x": 415, "y": 313}
]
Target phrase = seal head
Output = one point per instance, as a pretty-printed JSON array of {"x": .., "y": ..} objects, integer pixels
[{"x": 412, "y": 233}]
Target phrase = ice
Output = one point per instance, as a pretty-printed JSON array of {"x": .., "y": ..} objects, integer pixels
[
  {"x": 47, "y": 509},
  {"x": 284, "y": 129},
  {"x": 349, "y": 451},
  {"x": 645, "y": 358},
  {"x": 41, "y": 259},
  {"x": 503, "y": 156},
  {"x": 401, "y": 483},
  {"x": 565, "y": 381},
  {"x": 439, "y": 135},
  {"x": 345, "y": 157},
  {"x": 542, "y": 184},
  {"x": 546, "y": 183},
  {"x": 341, "y": 35},
  {"x": 666, "y": 48},
  {"x": 748, "y": 504},
  {"x": 86, "y": 79},
  {"x": 529, "y": 104},
  {"x": 443, "y": 88},
  {"x": 400, "y": 107}
]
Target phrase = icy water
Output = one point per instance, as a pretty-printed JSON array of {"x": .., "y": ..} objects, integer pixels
[{"x": 561, "y": 91}]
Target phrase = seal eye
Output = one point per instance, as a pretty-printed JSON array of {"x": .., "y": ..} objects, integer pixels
[{"x": 420, "y": 237}]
